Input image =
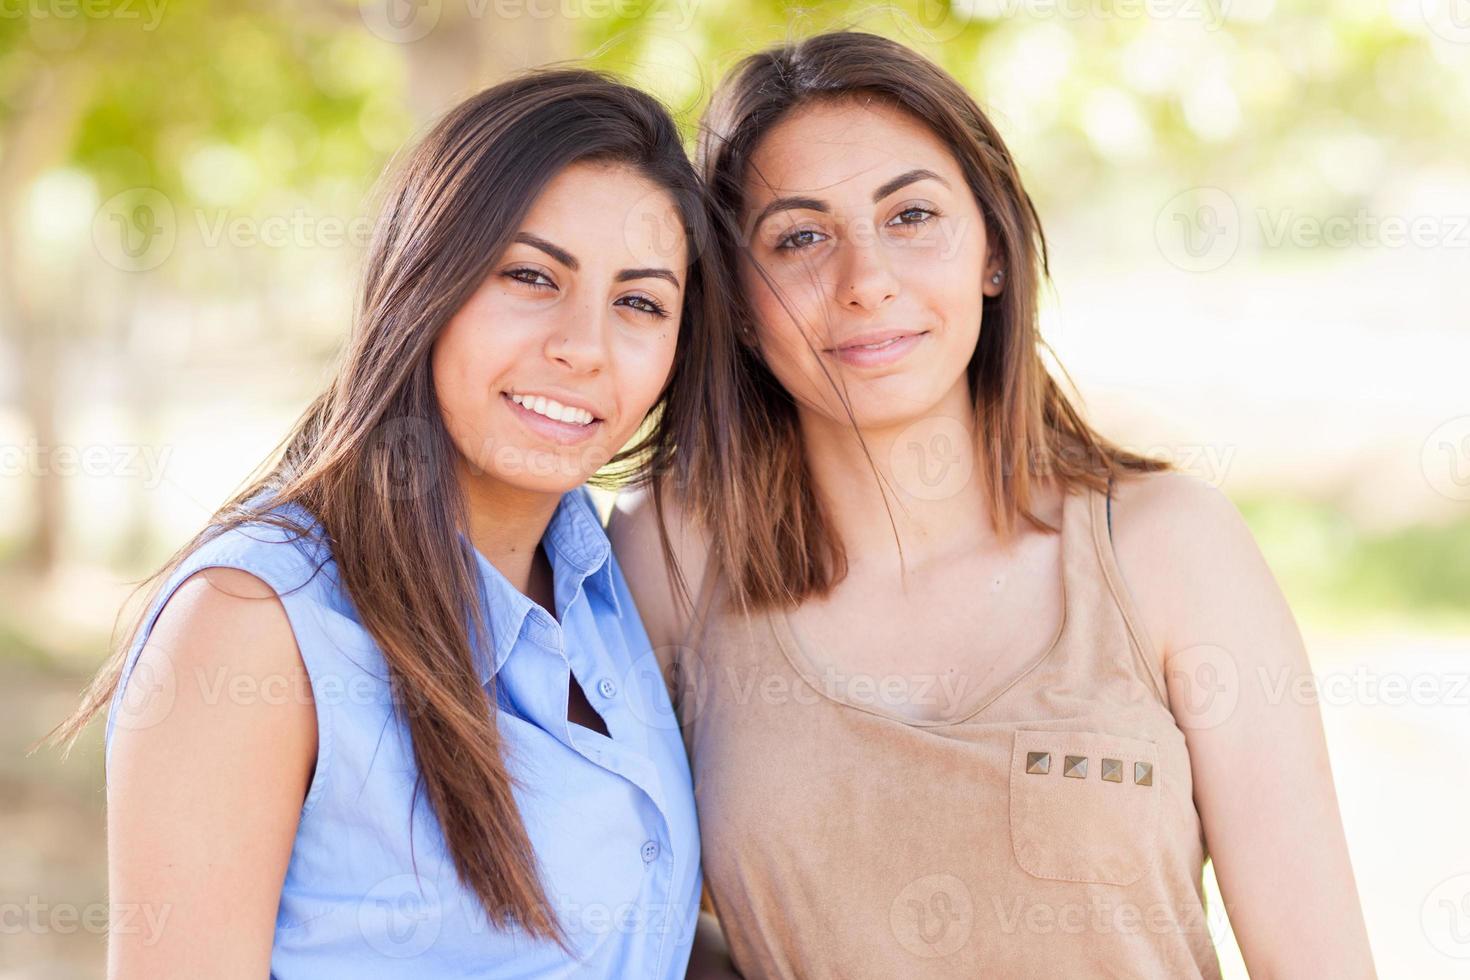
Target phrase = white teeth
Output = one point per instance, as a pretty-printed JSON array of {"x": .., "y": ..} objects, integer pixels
[
  {"x": 553, "y": 409},
  {"x": 879, "y": 345}
]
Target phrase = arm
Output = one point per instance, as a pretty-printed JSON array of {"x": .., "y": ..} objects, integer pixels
[
  {"x": 205, "y": 786},
  {"x": 1233, "y": 657}
]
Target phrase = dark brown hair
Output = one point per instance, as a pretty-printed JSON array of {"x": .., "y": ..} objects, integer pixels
[
  {"x": 741, "y": 473},
  {"x": 372, "y": 462}
]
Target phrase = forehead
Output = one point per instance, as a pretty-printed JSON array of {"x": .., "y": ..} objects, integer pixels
[
  {"x": 835, "y": 148},
  {"x": 609, "y": 213}
]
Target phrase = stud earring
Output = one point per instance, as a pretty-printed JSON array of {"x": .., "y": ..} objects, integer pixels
[{"x": 998, "y": 277}]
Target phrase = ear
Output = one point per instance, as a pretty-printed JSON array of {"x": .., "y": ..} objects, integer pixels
[{"x": 994, "y": 281}]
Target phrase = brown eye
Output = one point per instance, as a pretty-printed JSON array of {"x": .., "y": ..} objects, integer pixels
[
  {"x": 644, "y": 304},
  {"x": 800, "y": 238},
  {"x": 913, "y": 216},
  {"x": 531, "y": 277}
]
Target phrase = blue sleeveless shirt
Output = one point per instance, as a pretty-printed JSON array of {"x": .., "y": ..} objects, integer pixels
[{"x": 611, "y": 818}]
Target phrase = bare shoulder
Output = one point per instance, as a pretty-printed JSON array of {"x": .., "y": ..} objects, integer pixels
[
  {"x": 1186, "y": 555},
  {"x": 223, "y": 655},
  {"x": 633, "y": 529},
  {"x": 214, "y": 747},
  {"x": 1179, "y": 504},
  {"x": 224, "y": 614}
]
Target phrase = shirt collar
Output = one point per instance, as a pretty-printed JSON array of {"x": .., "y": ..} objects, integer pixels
[{"x": 580, "y": 554}]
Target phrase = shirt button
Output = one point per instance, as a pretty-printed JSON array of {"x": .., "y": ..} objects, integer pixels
[
  {"x": 607, "y": 688},
  {"x": 650, "y": 851}
]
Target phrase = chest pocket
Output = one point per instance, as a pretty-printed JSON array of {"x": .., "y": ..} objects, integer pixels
[{"x": 1084, "y": 806}]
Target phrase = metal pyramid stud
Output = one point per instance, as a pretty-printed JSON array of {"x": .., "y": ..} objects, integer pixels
[
  {"x": 1112, "y": 770},
  {"x": 1038, "y": 763},
  {"x": 1143, "y": 773},
  {"x": 1075, "y": 766}
]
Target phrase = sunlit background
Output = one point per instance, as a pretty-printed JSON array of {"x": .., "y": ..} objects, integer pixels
[{"x": 1259, "y": 216}]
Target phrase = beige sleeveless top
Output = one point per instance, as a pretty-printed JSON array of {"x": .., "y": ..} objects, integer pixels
[{"x": 1048, "y": 832}]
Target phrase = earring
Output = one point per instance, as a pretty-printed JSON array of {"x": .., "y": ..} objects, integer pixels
[{"x": 998, "y": 277}]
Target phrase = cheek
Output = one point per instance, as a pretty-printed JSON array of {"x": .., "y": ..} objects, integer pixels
[
  {"x": 787, "y": 318},
  {"x": 643, "y": 364},
  {"x": 466, "y": 366},
  {"x": 451, "y": 376},
  {"x": 960, "y": 300},
  {"x": 789, "y": 294},
  {"x": 787, "y": 351},
  {"x": 951, "y": 289}
]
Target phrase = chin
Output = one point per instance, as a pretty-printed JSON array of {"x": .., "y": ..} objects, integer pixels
[
  {"x": 542, "y": 485},
  {"x": 895, "y": 402},
  {"x": 544, "y": 468}
]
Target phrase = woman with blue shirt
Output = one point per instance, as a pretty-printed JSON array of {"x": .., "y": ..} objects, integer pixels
[{"x": 393, "y": 713}]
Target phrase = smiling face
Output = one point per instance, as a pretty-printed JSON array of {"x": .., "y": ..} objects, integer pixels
[
  {"x": 875, "y": 261},
  {"x": 551, "y": 366}
]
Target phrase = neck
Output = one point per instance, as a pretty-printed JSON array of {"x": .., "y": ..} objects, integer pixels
[
  {"x": 506, "y": 524},
  {"x": 927, "y": 479}
]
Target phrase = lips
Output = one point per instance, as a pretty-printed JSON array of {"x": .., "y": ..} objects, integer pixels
[
  {"x": 876, "y": 340},
  {"x": 554, "y": 410},
  {"x": 876, "y": 348},
  {"x": 576, "y": 424}
]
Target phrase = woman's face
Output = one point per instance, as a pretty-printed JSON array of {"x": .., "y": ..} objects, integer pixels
[
  {"x": 875, "y": 261},
  {"x": 551, "y": 366}
]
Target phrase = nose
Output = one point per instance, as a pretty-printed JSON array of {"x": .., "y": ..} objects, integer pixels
[
  {"x": 864, "y": 281},
  {"x": 577, "y": 339}
]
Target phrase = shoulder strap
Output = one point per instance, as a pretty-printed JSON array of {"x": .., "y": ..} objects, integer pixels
[{"x": 1122, "y": 598}]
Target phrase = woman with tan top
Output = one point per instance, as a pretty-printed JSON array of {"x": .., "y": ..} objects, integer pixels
[{"x": 968, "y": 689}]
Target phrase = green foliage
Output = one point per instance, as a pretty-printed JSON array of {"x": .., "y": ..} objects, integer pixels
[
  {"x": 1332, "y": 570},
  {"x": 299, "y": 95}
]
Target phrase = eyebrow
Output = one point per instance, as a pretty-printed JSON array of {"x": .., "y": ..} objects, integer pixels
[
  {"x": 815, "y": 204},
  {"x": 555, "y": 251},
  {"x": 570, "y": 261},
  {"x": 904, "y": 180},
  {"x": 630, "y": 274}
]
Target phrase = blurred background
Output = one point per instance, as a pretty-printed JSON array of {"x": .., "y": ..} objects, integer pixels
[{"x": 1259, "y": 215}]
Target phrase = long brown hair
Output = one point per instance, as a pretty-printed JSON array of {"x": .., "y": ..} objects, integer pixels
[
  {"x": 740, "y": 470},
  {"x": 372, "y": 462}
]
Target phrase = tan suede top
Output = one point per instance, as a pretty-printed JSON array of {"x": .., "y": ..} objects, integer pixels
[{"x": 1045, "y": 829}]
